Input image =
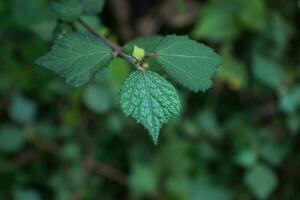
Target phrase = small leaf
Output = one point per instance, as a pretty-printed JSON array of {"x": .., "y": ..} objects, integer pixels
[
  {"x": 28, "y": 13},
  {"x": 261, "y": 180},
  {"x": 216, "y": 22},
  {"x": 149, "y": 44},
  {"x": 92, "y": 7},
  {"x": 26, "y": 194},
  {"x": 192, "y": 64},
  {"x": 150, "y": 99},
  {"x": 77, "y": 57},
  {"x": 97, "y": 98},
  {"x": 67, "y": 10},
  {"x": 143, "y": 180},
  {"x": 22, "y": 110},
  {"x": 267, "y": 71},
  {"x": 11, "y": 139},
  {"x": 290, "y": 100},
  {"x": 138, "y": 53}
]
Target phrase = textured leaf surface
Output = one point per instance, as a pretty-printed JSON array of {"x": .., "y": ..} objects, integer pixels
[
  {"x": 77, "y": 57},
  {"x": 150, "y": 99},
  {"x": 193, "y": 64}
]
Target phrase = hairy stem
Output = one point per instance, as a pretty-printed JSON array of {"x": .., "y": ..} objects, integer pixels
[{"x": 117, "y": 49}]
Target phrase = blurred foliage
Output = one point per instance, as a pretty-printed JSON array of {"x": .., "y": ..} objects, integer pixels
[{"x": 239, "y": 140}]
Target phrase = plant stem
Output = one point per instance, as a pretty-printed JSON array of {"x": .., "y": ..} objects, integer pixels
[{"x": 117, "y": 49}]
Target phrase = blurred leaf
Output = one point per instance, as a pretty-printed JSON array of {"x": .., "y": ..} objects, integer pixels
[
  {"x": 216, "y": 22},
  {"x": 44, "y": 29},
  {"x": 275, "y": 37},
  {"x": 22, "y": 110},
  {"x": 274, "y": 153},
  {"x": 92, "y": 21},
  {"x": 252, "y": 14},
  {"x": 178, "y": 186},
  {"x": 191, "y": 63},
  {"x": 208, "y": 123},
  {"x": 290, "y": 100},
  {"x": 293, "y": 122},
  {"x": 27, "y": 13},
  {"x": 67, "y": 10},
  {"x": 114, "y": 123},
  {"x": 247, "y": 158},
  {"x": 70, "y": 151},
  {"x": 203, "y": 189},
  {"x": 26, "y": 194},
  {"x": 11, "y": 139},
  {"x": 98, "y": 98},
  {"x": 267, "y": 71},
  {"x": 175, "y": 153},
  {"x": 118, "y": 71},
  {"x": 142, "y": 181},
  {"x": 233, "y": 71},
  {"x": 92, "y": 7},
  {"x": 261, "y": 180}
]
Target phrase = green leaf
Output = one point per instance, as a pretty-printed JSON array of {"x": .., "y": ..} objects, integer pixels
[
  {"x": 150, "y": 99},
  {"x": 91, "y": 20},
  {"x": 11, "y": 139},
  {"x": 117, "y": 72},
  {"x": 290, "y": 100},
  {"x": 27, "y": 13},
  {"x": 67, "y": 10},
  {"x": 205, "y": 189},
  {"x": 261, "y": 180},
  {"x": 97, "y": 98},
  {"x": 217, "y": 22},
  {"x": 143, "y": 180},
  {"x": 92, "y": 7},
  {"x": 26, "y": 194},
  {"x": 267, "y": 72},
  {"x": 252, "y": 14},
  {"x": 192, "y": 64},
  {"x": 77, "y": 57},
  {"x": 22, "y": 110},
  {"x": 233, "y": 71}
]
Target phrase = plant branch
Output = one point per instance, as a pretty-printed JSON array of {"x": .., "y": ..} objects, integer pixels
[
  {"x": 116, "y": 48},
  {"x": 107, "y": 171}
]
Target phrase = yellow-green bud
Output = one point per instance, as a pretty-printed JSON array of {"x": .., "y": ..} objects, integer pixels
[{"x": 138, "y": 53}]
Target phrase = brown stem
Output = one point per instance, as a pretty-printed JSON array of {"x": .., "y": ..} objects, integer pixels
[
  {"x": 151, "y": 55},
  {"x": 117, "y": 49},
  {"x": 107, "y": 171}
]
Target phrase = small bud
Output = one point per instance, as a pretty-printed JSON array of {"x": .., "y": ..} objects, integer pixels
[
  {"x": 145, "y": 65},
  {"x": 138, "y": 53}
]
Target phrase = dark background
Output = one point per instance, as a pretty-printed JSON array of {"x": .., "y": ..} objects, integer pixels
[{"x": 238, "y": 140}]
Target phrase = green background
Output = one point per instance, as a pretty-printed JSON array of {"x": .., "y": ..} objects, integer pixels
[{"x": 238, "y": 140}]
